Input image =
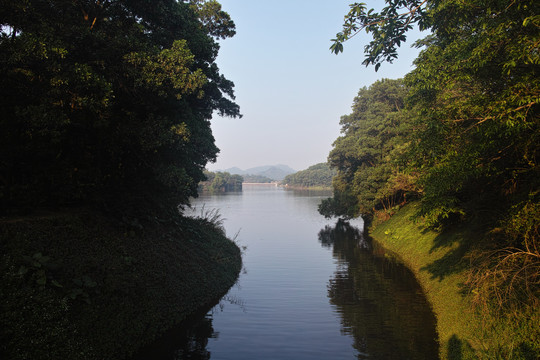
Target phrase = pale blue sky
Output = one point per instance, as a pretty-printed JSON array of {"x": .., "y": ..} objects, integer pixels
[{"x": 291, "y": 89}]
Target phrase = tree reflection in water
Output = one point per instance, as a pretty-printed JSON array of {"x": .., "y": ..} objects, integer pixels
[
  {"x": 377, "y": 299},
  {"x": 187, "y": 341},
  {"x": 382, "y": 307}
]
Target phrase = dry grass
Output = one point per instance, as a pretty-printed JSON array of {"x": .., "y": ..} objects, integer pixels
[{"x": 508, "y": 278}]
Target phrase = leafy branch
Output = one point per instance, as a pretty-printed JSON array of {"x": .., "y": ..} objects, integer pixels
[{"x": 387, "y": 27}]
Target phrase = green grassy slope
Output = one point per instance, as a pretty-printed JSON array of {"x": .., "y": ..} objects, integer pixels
[
  {"x": 81, "y": 286},
  {"x": 440, "y": 264}
]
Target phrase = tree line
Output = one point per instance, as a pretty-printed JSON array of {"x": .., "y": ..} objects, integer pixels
[
  {"x": 108, "y": 103},
  {"x": 460, "y": 133},
  {"x": 221, "y": 182},
  {"x": 318, "y": 175}
]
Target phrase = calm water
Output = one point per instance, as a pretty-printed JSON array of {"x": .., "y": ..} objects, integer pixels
[{"x": 311, "y": 289}]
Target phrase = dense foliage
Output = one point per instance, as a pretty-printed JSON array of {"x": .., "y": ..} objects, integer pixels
[
  {"x": 109, "y": 101},
  {"x": 221, "y": 181},
  {"x": 84, "y": 286},
  {"x": 479, "y": 131},
  {"x": 473, "y": 104},
  {"x": 368, "y": 155},
  {"x": 319, "y": 175},
  {"x": 106, "y": 105},
  {"x": 474, "y": 142}
]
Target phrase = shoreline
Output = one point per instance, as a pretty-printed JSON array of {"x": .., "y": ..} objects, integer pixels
[
  {"x": 438, "y": 262},
  {"x": 85, "y": 286},
  {"x": 456, "y": 322}
]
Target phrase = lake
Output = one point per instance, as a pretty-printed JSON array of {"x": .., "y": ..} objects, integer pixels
[{"x": 311, "y": 288}]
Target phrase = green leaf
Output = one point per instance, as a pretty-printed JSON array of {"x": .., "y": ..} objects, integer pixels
[
  {"x": 56, "y": 283},
  {"x": 22, "y": 270},
  {"x": 41, "y": 277}
]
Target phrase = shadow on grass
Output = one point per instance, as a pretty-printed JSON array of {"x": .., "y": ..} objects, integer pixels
[
  {"x": 453, "y": 261},
  {"x": 458, "y": 349}
]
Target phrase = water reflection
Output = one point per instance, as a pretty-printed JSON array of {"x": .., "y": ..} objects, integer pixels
[
  {"x": 186, "y": 341},
  {"x": 380, "y": 303},
  {"x": 286, "y": 308},
  {"x": 189, "y": 340}
]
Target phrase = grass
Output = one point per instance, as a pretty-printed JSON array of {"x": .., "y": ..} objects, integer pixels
[
  {"x": 440, "y": 263},
  {"x": 83, "y": 286}
]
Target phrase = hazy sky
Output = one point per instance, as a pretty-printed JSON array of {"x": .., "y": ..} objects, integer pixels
[{"x": 291, "y": 89}]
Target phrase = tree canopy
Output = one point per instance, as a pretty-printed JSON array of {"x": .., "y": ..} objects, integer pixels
[
  {"x": 367, "y": 155},
  {"x": 108, "y": 101},
  {"x": 473, "y": 97},
  {"x": 221, "y": 182},
  {"x": 318, "y": 175},
  {"x": 388, "y": 28},
  {"x": 475, "y": 93}
]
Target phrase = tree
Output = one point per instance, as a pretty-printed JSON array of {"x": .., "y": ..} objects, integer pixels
[
  {"x": 475, "y": 95},
  {"x": 388, "y": 28},
  {"x": 319, "y": 175},
  {"x": 478, "y": 109},
  {"x": 221, "y": 182},
  {"x": 108, "y": 101},
  {"x": 367, "y": 155}
]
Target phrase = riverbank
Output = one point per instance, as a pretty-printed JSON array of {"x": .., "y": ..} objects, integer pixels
[
  {"x": 83, "y": 286},
  {"x": 441, "y": 266}
]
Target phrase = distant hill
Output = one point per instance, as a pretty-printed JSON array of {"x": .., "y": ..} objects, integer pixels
[
  {"x": 316, "y": 176},
  {"x": 273, "y": 172},
  {"x": 235, "y": 171}
]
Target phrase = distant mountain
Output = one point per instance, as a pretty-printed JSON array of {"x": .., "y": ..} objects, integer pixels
[
  {"x": 235, "y": 171},
  {"x": 274, "y": 172}
]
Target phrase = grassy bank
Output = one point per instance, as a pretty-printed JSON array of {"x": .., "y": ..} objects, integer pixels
[
  {"x": 440, "y": 264},
  {"x": 82, "y": 286}
]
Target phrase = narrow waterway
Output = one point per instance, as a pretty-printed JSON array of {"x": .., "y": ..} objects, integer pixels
[{"x": 311, "y": 289}]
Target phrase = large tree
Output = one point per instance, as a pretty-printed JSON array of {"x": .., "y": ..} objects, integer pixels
[
  {"x": 475, "y": 94},
  {"x": 476, "y": 91},
  {"x": 108, "y": 101},
  {"x": 367, "y": 155}
]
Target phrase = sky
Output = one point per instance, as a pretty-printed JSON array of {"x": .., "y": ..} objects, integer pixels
[{"x": 291, "y": 89}]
